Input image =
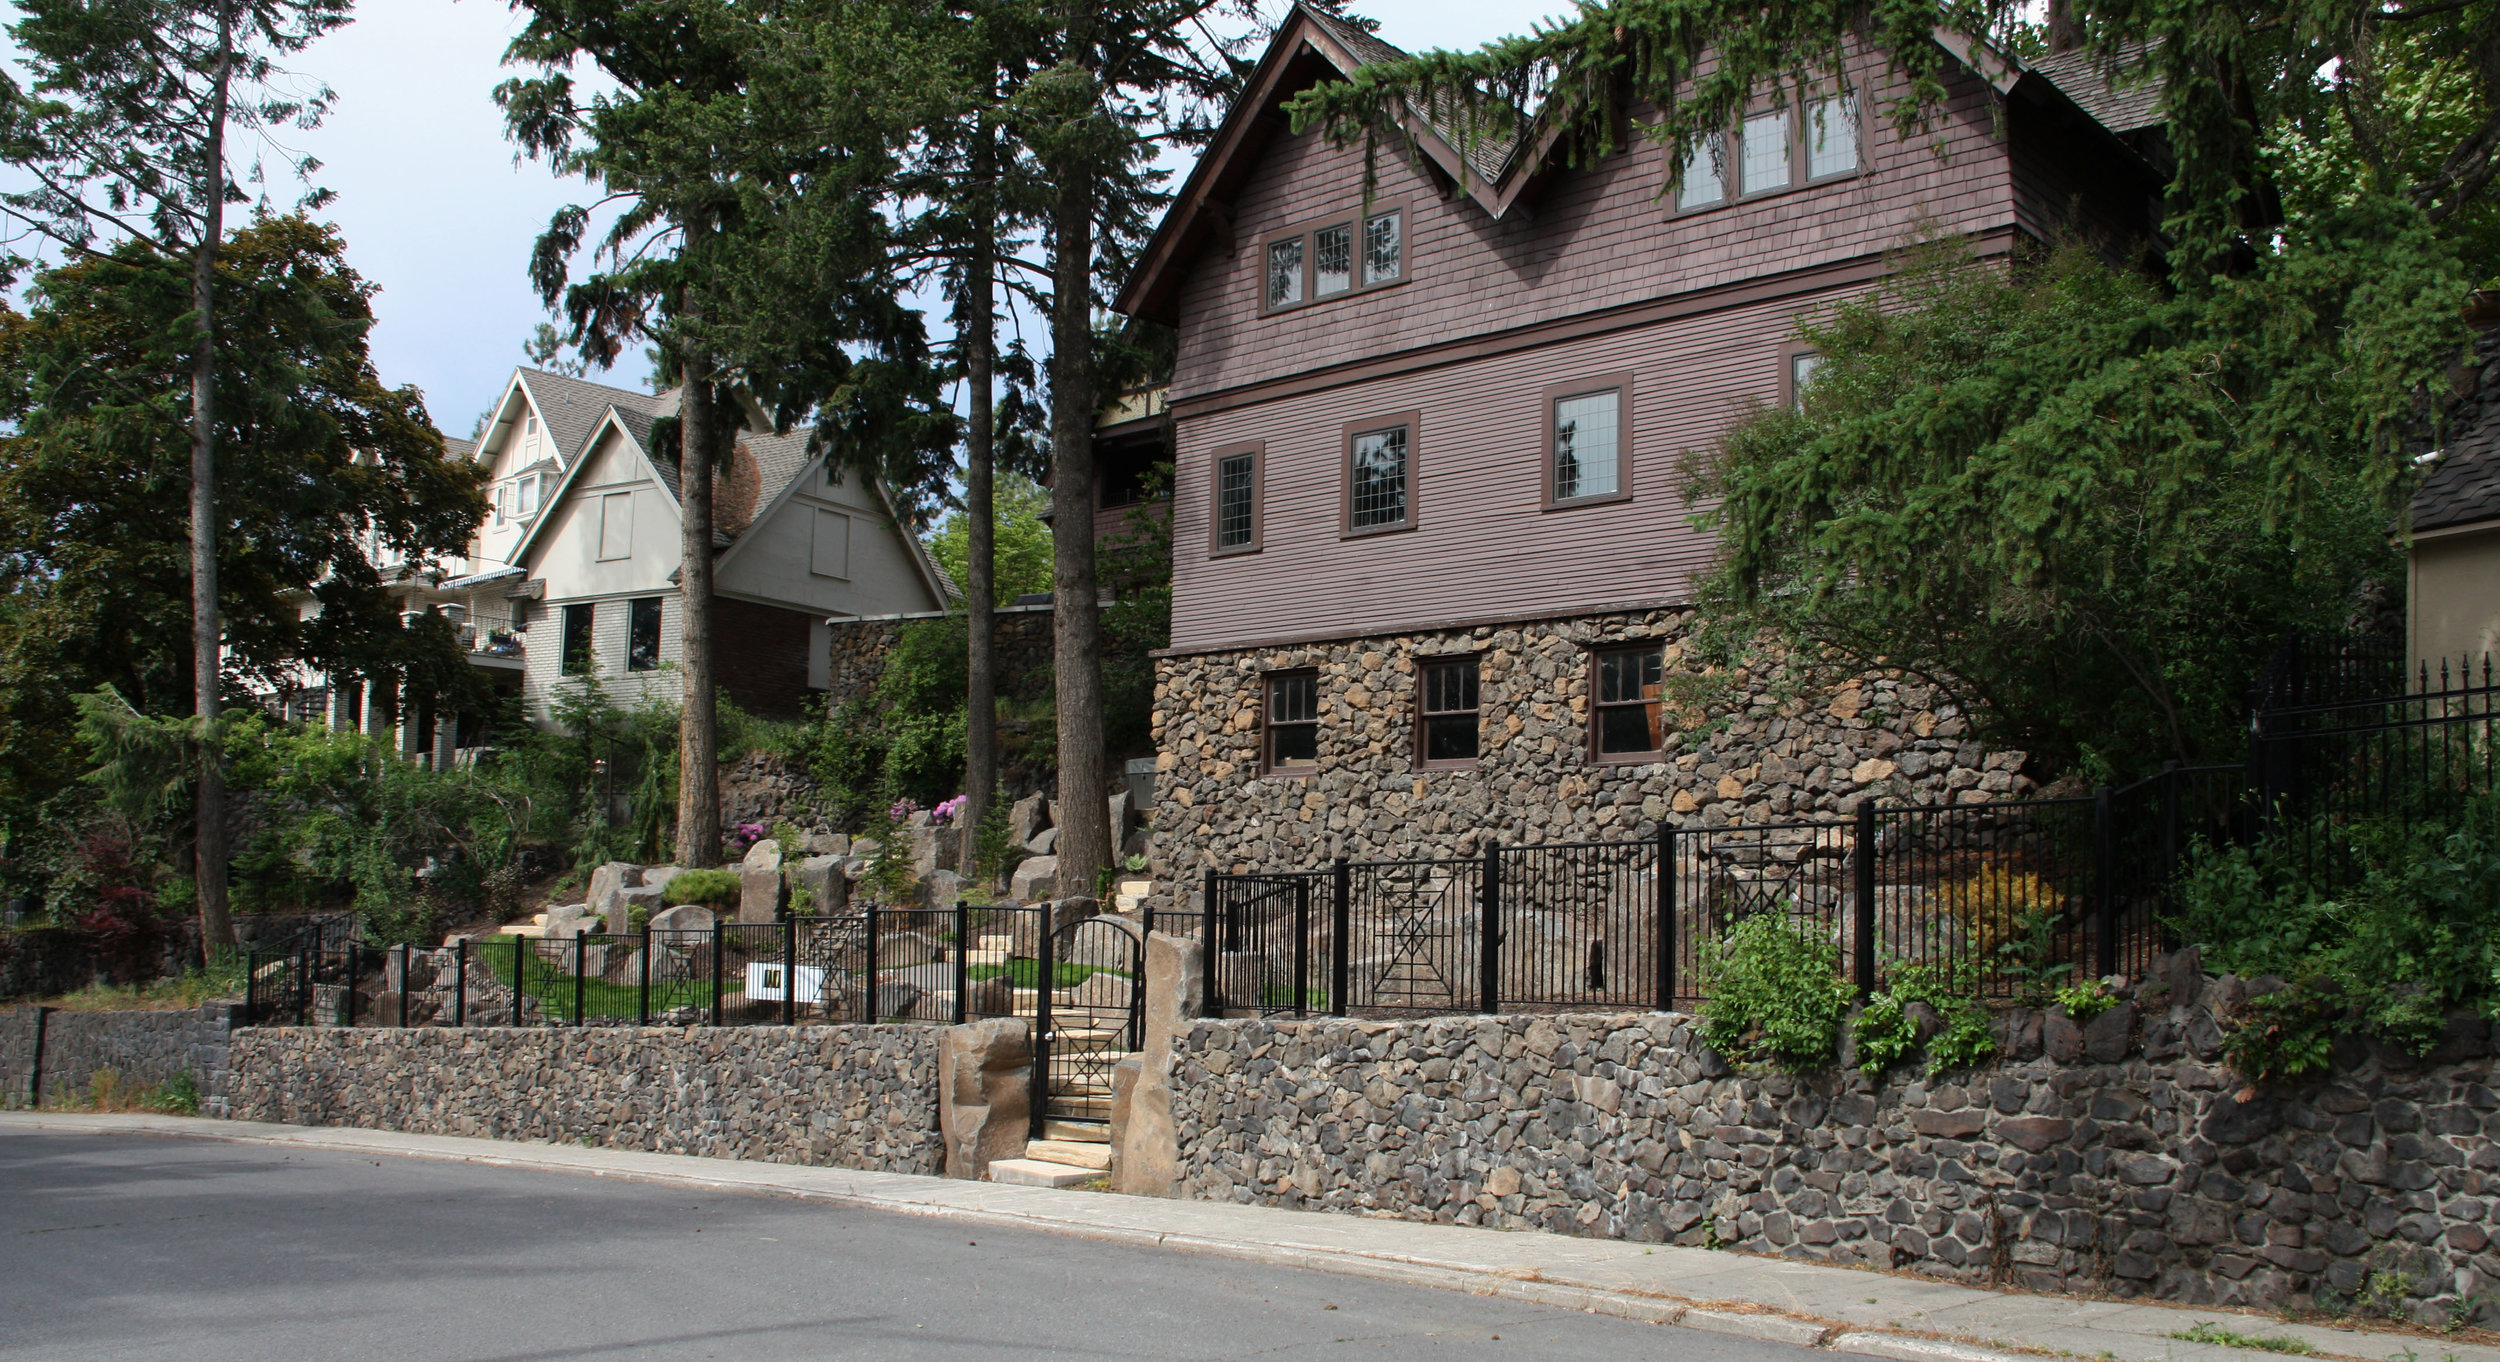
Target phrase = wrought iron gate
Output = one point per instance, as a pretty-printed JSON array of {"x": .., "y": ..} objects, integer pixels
[{"x": 1089, "y": 1013}]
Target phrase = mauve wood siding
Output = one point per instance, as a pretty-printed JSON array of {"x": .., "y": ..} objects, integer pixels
[
  {"x": 1484, "y": 547},
  {"x": 1593, "y": 239}
]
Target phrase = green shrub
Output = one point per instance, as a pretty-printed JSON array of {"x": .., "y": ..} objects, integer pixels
[
  {"x": 712, "y": 888},
  {"x": 2287, "y": 1035},
  {"x": 1775, "y": 994},
  {"x": 2086, "y": 999},
  {"x": 1886, "y": 1033}
]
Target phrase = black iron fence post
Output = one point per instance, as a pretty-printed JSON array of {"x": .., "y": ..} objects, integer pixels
[
  {"x": 1340, "y": 935},
  {"x": 718, "y": 930},
  {"x": 460, "y": 983},
  {"x": 2104, "y": 888},
  {"x": 963, "y": 961},
  {"x": 1489, "y": 932},
  {"x": 1301, "y": 945},
  {"x": 581, "y": 961},
  {"x": 1045, "y": 976},
  {"x": 642, "y": 990},
  {"x": 251, "y": 988},
  {"x": 1862, "y": 916},
  {"x": 789, "y": 971},
  {"x": 403, "y": 984},
  {"x": 1666, "y": 918},
  {"x": 520, "y": 974},
  {"x": 303, "y": 985},
  {"x": 868, "y": 1005},
  {"x": 349, "y": 1004},
  {"x": 1207, "y": 947}
]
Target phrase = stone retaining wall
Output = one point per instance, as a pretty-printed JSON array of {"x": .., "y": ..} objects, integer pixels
[
  {"x": 143, "y": 1049},
  {"x": 2144, "y": 1176},
  {"x": 1745, "y": 745},
  {"x": 839, "y": 1096}
]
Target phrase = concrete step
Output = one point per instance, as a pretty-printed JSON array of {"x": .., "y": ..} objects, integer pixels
[
  {"x": 1074, "y": 1153},
  {"x": 1077, "y": 1132},
  {"x": 1138, "y": 888},
  {"x": 1035, "y": 1173}
]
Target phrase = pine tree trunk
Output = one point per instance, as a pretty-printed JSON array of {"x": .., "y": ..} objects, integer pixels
[
  {"x": 698, "y": 730},
  {"x": 981, "y": 536},
  {"x": 1084, "y": 842},
  {"x": 209, "y": 850}
]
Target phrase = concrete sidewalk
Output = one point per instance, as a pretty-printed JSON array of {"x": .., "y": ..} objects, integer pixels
[{"x": 1843, "y": 1309}]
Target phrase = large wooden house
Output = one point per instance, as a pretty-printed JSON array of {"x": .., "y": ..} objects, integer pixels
[{"x": 1432, "y": 547}]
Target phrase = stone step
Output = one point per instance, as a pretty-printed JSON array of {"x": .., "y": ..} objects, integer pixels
[
  {"x": 1077, "y": 1132},
  {"x": 1035, "y": 1173},
  {"x": 1138, "y": 888},
  {"x": 986, "y": 956},
  {"x": 1074, "y": 1153},
  {"x": 1001, "y": 944}
]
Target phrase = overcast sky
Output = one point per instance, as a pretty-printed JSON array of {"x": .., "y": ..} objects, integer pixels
[{"x": 436, "y": 213}]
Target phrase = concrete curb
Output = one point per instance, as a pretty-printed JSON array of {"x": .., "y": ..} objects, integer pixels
[{"x": 1772, "y": 1300}]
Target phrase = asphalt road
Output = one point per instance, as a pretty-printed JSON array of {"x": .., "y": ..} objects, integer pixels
[{"x": 137, "y": 1247}]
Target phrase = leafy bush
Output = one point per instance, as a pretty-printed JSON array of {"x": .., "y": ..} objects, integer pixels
[
  {"x": 2086, "y": 999},
  {"x": 904, "y": 737},
  {"x": 1775, "y": 993},
  {"x": 1887, "y": 1033},
  {"x": 2287, "y": 1035},
  {"x": 2417, "y": 933},
  {"x": 2023, "y": 956},
  {"x": 719, "y": 889}
]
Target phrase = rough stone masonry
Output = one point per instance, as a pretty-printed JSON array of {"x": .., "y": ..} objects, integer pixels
[
  {"x": 2121, "y": 1162},
  {"x": 841, "y": 1096},
  {"x": 1747, "y": 744}
]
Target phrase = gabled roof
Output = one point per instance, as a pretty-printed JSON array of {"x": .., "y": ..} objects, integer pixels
[
  {"x": 1495, "y": 173},
  {"x": 2463, "y": 488},
  {"x": 572, "y": 407}
]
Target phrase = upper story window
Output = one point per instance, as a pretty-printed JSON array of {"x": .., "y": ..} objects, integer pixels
[
  {"x": 1773, "y": 150},
  {"x": 578, "y": 620},
  {"x": 1446, "y": 726},
  {"x": 1802, "y": 365},
  {"x": 1289, "y": 741},
  {"x": 1628, "y": 722},
  {"x": 1585, "y": 426},
  {"x": 1235, "y": 519},
  {"x": 1334, "y": 257},
  {"x": 1380, "y": 475},
  {"x": 642, "y": 635},
  {"x": 525, "y": 492}
]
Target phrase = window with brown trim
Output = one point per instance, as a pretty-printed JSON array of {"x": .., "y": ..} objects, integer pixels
[
  {"x": 1233, "y": 521},
  {"x": 1587, "y": 441},
  {"x": 1798, "y": 364},
  {"x": 1446, "y": 723},
  {"x": 1627, "y": 721},
  {"x": 1773, "y": 151},
  {"x": 1289, "y": 717},
  {"x": 1333, "y": 257},
  {"x": 1380, "y": 475}
]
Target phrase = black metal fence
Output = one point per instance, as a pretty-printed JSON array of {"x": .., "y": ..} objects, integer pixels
[
  {"x": 1595, "y": 925},
  {"x": 941, "y": 965}
]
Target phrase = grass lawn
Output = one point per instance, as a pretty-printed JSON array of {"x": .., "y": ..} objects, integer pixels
[
  {"x": 554, "y": 990},
  {"x": 1028, "y": 973}
]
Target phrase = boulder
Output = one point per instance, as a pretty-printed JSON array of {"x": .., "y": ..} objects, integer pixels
[
  {"x": 1120, "y": 812},
  {"x": 1028, "y": 926},
  {"x": 1145, "y": 1141},
  {"x": 896, "y": 998},
  {"x": 1107, "y": 992},
  {"x": 646, "y": 897},
  {"x": 660, "y": 876},
  {"x": 826, "y": 844},
  {"x": 685, "y": 917},
  {"x": 991, "y": 997},
  {"x": 985, "y": 1094},
  {"x": 1034, "y": 880},
  {"x": 924, "y": 849},
  {"x": 941, "y": 889},
  {"x": 1134, "y": 844},
  {"x": 828, "y": 889},
  {"x": 605, "y": 882},
  {"x": 865, "y": 849},
  {"x": 572, "y": 919},
  {"x": 1041, "y": 843},
  {"x": 1027, "y": 816},
  {"x": 2108, "y": 1037},
  {"x": 901, "y": 950},
  {"x": 759, "y": 883}
]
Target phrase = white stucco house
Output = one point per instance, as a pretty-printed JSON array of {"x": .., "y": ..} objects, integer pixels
[{"x": 575, "y": 566}]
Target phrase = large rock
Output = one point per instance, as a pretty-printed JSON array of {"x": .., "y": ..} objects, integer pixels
[
  {"x": 1119, "y": 812},
  {"x": 1146, "y": 1157},
  {"x": 661, "y": 876},
  {"x": 985, "y": 1094},
  {"x": 991, "y": 997},
  {"x": 644, "y": 896},
  {"x": 941, "y": 889},
  {"x": 1028, "y": 926},
  {"x": 605, "y": 883},
  {"x": 828, "y": 889},
  {"x": 1103, "y": 992},
  {"x": 571, "y": 919},
  {"x": 1042, "y": 843},
  {"x": 1035, "y": 879},
  {"x": 826, "y": 844},
  {"x": 1027, "y": 816},
  {"x": 759, "y": 883},
  {"x": 685, "y": 917},
  {"x": 924, "y": 849}
]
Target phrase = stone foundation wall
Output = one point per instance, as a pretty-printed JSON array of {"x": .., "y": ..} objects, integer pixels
[
  {"x": 1747, "y": 746},
  {"x": 2146, "y": 1175},
  {"x": 838, "y": 1096},
  {"x": 143, "y": 1049}
]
